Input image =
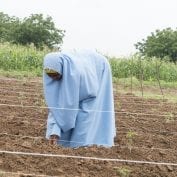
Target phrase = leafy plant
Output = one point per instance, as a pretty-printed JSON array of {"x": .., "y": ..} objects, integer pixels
[
  {"x": 2, "y": 174},
  {"x": 161, "y": 43},
  {"x": 123, "y": 171},
  {"x": 130, "y": 138},
  {"x": 169, "y": 118}
]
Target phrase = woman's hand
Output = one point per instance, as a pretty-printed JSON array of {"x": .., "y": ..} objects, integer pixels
[{"x": 53, "y": 140}]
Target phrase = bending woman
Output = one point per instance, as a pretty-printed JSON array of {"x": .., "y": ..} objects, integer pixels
[{"x": 79, "y": 94}]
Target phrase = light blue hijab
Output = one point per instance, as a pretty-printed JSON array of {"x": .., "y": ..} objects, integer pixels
[{"x": 81, "y": 107}]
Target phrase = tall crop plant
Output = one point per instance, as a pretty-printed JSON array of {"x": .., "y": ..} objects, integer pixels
[
  {"x": 20, "y": 58},
  {"x": 150, "y": 69}
]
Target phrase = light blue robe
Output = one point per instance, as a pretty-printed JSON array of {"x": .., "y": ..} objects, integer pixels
[{"x": 84, "y": 98}]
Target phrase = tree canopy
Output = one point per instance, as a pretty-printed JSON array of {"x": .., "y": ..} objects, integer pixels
[
  {"x": 35, "y": 30},
  {"x": 161, "y": 44}
]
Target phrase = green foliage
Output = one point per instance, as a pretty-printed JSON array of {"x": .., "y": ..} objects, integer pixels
[
  {"x": 161, "y": 44},
  {"x": 6, "y": 26},
  {"x": 130, "y": 138},
  {"x": 170, "y": 118},
  {"x": 21, "y": 58},
  {"x": 35, "y": 30},
  {"x": 29, "y": 61},
  {"x": 123, "y": 172},
  {"x": 146, "y": 68}
]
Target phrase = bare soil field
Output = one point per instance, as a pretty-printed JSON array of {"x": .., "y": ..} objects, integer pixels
[{"x": 145, "y": 145}]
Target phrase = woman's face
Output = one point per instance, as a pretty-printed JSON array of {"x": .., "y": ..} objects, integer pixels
[{"x": 55, "y": 76}]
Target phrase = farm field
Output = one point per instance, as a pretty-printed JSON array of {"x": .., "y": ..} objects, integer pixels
[{"x": 145, "y": 145}]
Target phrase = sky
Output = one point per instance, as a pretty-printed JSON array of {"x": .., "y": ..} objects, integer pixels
[{"x": 109, "y": 26}]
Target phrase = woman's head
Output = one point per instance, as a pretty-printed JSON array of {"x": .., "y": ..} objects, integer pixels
[{"x": 53, "y": 66}]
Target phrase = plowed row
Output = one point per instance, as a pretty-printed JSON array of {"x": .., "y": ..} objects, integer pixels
[{"x": 146, "y": 131}]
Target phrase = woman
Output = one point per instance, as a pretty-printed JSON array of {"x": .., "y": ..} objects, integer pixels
[{"x": 78, "y": 92}]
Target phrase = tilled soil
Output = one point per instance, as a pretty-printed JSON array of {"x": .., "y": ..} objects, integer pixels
[{"x": 145, "y": 145}]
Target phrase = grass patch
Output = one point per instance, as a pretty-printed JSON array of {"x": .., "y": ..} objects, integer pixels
[
  {"x": 20, "y": 74},
  {"x": 150, "y": 89}
]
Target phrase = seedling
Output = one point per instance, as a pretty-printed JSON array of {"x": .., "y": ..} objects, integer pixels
[
  {"x": 130, "y": 138},
  {"x": 42, "y": 104},
  {"x": 2, "y": 174},
  {"x": 118, "y": 105},
  {"x": 123, "y": 172},
  {"x": 36, "y": 103},
  {"x": 21, "y": 96},
  {"x": 169, "y": 118}
]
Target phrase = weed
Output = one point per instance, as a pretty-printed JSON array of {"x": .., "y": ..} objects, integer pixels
[
  {"x": 130, "y": 138},
  {"x": 2, "y": 174},
  {"x": 169, "y": 118},
  {"x": 123, "y": 172}
]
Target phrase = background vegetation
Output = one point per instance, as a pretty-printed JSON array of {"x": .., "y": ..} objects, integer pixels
[
  {"x": 27, "y": 61},
  {"x": 24, "y": 42},
  {"x": 35, "y": 30},
  {"x": 161, "y": 44}
]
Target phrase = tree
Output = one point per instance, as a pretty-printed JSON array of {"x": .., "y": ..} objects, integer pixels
[
  {"x": 38, "y": 31},
  {"x": 160, "y": 44},
  {"x": 6, "y": 25}
]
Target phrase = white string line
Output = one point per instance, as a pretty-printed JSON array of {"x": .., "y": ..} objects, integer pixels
[
  {"x": 25, "y": 174},
  {"x": 88, "y": 158},
  {"x": 145, "y": 114},
  {"x": 144, "y": 99},
  {"x": 140, "y": 97},
  {"x": 7, "y": 117},
  {"x": 152, "y": 97},
  {"x": 89, "y": 110},
  {"x": 116, "y": 145},
  {"x": 145, "y": 103},
  {"x": 24, "y": 105}
]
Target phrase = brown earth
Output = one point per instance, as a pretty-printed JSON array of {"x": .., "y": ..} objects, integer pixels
[{"x": 146, "y": 133}]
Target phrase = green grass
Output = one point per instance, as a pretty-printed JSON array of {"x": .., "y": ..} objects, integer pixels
[
  {"x": 134, "y": 82},
  {"x": 151, "y": 89},
  {"x": 20, "y": 74}
]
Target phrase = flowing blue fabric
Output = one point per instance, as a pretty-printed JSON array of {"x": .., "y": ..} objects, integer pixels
[{"x": 81, "y": 106}]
